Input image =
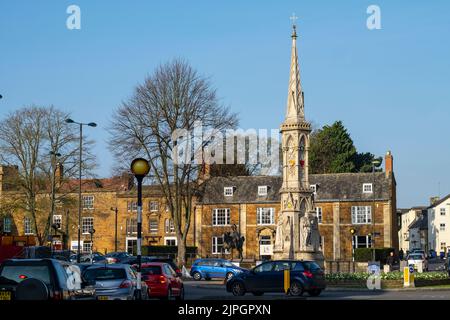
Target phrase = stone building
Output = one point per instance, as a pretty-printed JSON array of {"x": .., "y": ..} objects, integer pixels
[
  {"x": 101, "y": 199},
  {"x": 364, "y": 202}
]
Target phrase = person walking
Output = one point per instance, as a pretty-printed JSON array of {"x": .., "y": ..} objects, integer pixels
[
  {"x": 390, "y": 260},
  {"x": 400, "y": 255}
]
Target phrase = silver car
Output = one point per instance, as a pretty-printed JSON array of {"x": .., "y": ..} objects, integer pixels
[{"x": 114, "y": 282}]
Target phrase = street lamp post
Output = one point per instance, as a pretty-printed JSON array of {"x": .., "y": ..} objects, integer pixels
[
  {"x": 140, "y": 168},
  {"x": 375, "y": 163},
  {"x": 116, "y": 210},
  {"x": 90, "y": 124},
  {"x": 92, "y": 231},
  {"x": 54, "y": 155}
]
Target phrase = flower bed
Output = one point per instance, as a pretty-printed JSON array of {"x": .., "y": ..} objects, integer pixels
[{"x": 388, "y": 280}]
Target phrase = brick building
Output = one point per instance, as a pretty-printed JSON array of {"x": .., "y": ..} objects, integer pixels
[{"x": 342, "y": 202}]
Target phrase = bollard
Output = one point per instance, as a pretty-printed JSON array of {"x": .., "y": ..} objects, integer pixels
[{"x": 287, "y": 280}]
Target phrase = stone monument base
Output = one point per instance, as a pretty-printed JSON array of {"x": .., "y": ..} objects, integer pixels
[{"x": 316, "y": 256}]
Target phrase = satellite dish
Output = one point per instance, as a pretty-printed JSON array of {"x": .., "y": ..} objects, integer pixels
[{"x": 32, "y": 289}]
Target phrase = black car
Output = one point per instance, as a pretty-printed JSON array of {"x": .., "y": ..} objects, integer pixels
[
  {"x": 305, "y": 276},
  {"x": 133, "y": 260},
  {"x": 117, "y": 257},
  {"x": 43, "y": 279}
]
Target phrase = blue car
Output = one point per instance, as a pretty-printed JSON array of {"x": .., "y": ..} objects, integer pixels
[{"x": 214, "y": 268}]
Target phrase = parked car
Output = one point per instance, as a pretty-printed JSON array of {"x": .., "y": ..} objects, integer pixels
[
  {"x": 162, "y": 281},
  {"x": 43, "y": 279},
  {"x": 86, "y": 258},
  {"x": 166, "y": 260},
  {"x": 214, "y": 268},
  {"x": 415, "y": 259},
  {"x": 420, "y": 251},
  {"x": 114, "y": 281},
  {"x": 116, "y": 257},
  {"x": 305, "y": 276},
  {"x": 133, "y": 260}
]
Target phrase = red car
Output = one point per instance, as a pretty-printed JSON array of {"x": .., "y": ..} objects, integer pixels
[{"x": 162, "y": 281}]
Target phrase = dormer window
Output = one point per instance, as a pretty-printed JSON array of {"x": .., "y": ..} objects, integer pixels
[
  {"x": 367, "y": 188},
  {"x": 313, "y": 188},
  {"x": 228, "y": 191},
  {"x": 262, "y": 190}
]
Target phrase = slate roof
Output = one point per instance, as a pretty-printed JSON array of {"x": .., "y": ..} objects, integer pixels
[
  {"x": 330, "y": 187},
  {"x": 420, "y": 222}
]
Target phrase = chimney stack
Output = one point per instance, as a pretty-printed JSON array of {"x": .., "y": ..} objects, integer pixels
[
  {"x": 433, "y": 200},
  {"x": 388, "y": 163}
]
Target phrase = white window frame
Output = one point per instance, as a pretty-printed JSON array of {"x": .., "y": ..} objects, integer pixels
[
  {"x": 170, "y": 239},
  {"x": 228, "y": 191},
  {"x": 361, "y": 214},
  {"x": 74, "y": 245},
  {"x": 169, "y": 226},
  {"x": 226, "y": 218},
  {"x": 132, "y": 206},
  {"x": 87, "y": 202},
  {"x": 319, "y": 214},
  {"x": 131, "y": 226},
  {"x": 215, "y": 245},
  {"x": 367, "y": 188},
  {"x": 86, "y": 246},
  {"x": 27, "y": 226},
  {"x": 7, "y": 224},
  {"x": 443, "y": 211},
  {"x": 153, "y": 206},
  {"x": 262, "y": 190},
  {"x": 87, "y": 223},
  {"x": 442, "y": 227},
  {"x": 261, "y": 216},
  {"x": 57, "y": 219},
  {"x": 368, "y": 242},
  {"x": 313, "y": 187},
  {"x": 150, "y": 229}
]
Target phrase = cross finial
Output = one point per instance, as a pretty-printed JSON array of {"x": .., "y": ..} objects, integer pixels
[{"x": 293, "y": 18}]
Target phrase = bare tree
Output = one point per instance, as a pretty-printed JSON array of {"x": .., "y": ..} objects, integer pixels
[
  {"x": 27, "y": 136},
  {"x": 175, "y": 97}
]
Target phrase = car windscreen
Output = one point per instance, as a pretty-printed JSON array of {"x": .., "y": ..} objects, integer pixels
[
  {"x": 150, "y": 270},
  {"x": 104, "y": 274},
  {"x": 415, "y": 257},
  {"x": 14, "y": 274}
]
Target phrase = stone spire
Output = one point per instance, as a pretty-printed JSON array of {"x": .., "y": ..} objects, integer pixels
[{"x": 295, "y": 107}]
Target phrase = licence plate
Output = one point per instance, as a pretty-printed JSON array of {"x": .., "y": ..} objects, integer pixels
[
  {"x": 5, "y": 295},
  {"x": 102, "y": 298}
]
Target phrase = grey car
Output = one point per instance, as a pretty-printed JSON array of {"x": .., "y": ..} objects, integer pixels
[{"x": 114, "y": 282}]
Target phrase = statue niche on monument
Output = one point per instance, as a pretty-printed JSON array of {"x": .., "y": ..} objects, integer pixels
[{"x": 309, "y": 232}]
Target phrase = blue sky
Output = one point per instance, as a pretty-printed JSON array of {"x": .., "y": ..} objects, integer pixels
[{"x": 390, "y": 87}]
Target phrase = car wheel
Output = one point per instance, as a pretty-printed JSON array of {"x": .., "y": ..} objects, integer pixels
[
  {"x": 296, "y": 289},
  {"x": 238, "y": 289},
  {"x": 197, "y": 276},
  {"x": 181, "y": 295},
  {"x": 229, "y": 275},
  {"x": 315, "y": 292},
  {"x": 258, "y": 293}
]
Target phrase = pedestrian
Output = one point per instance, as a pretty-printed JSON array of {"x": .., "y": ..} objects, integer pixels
[
  {"x": 390, "y": 260},
  {"x": 400, "y": 254}
]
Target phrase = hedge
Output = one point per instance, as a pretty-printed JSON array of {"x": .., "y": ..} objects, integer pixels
[{"x": 366, "y": 254}]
